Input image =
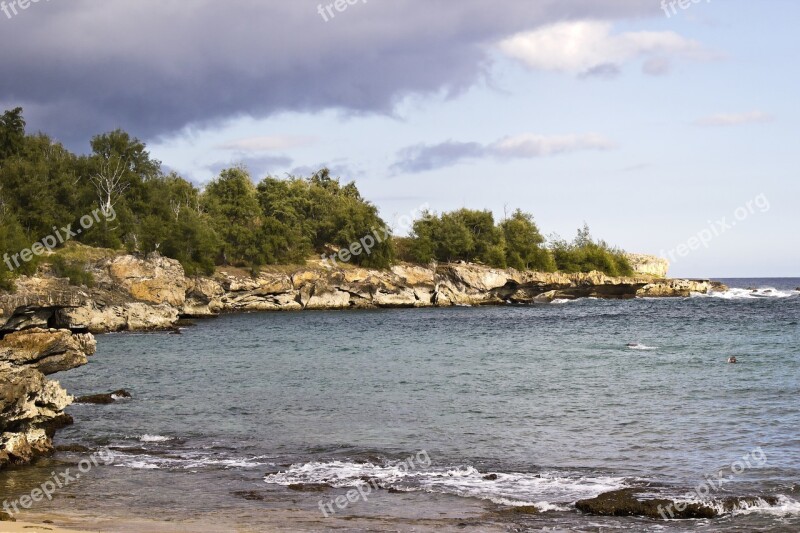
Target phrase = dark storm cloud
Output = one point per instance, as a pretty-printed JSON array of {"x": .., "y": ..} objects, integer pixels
[{"x": 80, "y": 67}]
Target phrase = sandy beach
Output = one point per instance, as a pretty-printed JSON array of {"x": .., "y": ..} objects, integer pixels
[{"x": 274, "y": 520}]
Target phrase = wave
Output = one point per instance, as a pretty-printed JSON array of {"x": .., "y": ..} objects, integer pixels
[
  {"x": 784, "y": 507},
  {"x": 638, "y": 346},
  {"x": 781, "y": 506},
  {"x": 562, "y": 301},
  {"x": 749, "y": 294},
  {"x": 138, "y": 460},
  {"x": 546, "y": 490},
  {"x": 154, "y": 438}
]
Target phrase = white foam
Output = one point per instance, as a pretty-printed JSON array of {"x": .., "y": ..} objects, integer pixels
[
  {"x": 552, "y": 490},
  {"x": 785, "y": 507},
  {"x": 139, "y": 465},
  {"x": 748, "y": 294},
  {"x": 638, "y": 346},
  {"x": 154, "y": 438}
]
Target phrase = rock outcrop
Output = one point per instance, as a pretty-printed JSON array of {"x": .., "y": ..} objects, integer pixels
[
  {"x": 634, "y": 502},
  {"x": 31, "y": 406},
  {"x": 152, "y": 293}
]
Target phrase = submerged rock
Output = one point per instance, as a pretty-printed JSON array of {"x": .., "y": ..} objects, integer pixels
[
  {"x": 522, "y": 509},
  {"x": 72, "y": 448},
  {"x": 105, "y": 398},
  {"x": 250, "y": 495},
  {"x": 309, "y": 487}
]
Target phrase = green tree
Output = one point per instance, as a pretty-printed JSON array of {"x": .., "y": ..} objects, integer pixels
[
  {"x": 584, "y": 254},
  {"x": 315, "y": 214},
  {"x": 524, "y": 250},
  {"x": 12, "y": 132},
  {"x": 231, "y": 201}
]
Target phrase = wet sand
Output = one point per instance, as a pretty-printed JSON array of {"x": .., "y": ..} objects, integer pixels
[{"x": 277, "y": 520}]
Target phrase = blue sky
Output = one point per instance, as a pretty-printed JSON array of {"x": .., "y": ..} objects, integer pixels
[{"x": 650, "y": 129}]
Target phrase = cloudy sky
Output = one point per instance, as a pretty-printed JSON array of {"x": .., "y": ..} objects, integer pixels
[{"x": 654, "y": 124}]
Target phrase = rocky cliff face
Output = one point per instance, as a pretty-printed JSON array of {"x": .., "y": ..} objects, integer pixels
[
  {"x": 135, "y": 293},
  {"x": 31, "y": 406}
]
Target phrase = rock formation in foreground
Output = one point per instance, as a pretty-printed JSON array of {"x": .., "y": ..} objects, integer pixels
[
  {"x": 153, "y": 293},
  {"x": 31, "y": 406}
]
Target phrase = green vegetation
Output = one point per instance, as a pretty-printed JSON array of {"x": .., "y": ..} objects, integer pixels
[
  {"x": 473, "y": 236},
  {"x": 75, "y": 271},
  {"x": 233, "y": 221},
  {"x": 584, "y": 254}
]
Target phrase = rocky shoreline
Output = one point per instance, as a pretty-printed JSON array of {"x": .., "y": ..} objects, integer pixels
[
  {"x": 48, "y": 323},
  {"x": 133, "y": 293}
]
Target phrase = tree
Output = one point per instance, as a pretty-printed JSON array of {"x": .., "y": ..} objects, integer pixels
[
  {"x": 12, "y": 132},
  {"x": 119, "y": 163},
  {"x": 584, "y": 254},
  {"x": 524, "y": 250},
  {"x": 304, "y": 215},
  {"x": 232, "y": 204}
]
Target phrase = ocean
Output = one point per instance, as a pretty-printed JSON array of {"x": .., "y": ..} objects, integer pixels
[{"x": 457, "y": 414}]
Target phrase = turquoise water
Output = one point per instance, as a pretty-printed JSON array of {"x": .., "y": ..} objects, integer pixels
[{"x": 550, "y": 398}]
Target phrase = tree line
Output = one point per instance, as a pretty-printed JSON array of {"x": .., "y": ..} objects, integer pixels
[{"x": 234, "y": 221}]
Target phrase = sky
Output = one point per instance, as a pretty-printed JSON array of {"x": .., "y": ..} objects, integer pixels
[{"x": 668, "y": 127}]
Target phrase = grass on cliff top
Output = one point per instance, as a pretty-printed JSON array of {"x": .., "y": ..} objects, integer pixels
[
  {"x": 73, "y": 262},
  {"x": 74, "y": 252}
]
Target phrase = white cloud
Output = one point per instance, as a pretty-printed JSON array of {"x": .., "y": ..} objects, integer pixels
[
  {"x": 424, "y": 157},
  {"x": 585, "y": 46},
  {"x": 530, "y": 145},
  {"x": 734, "y": 119},
  {"x": 268, "y": 143}
]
